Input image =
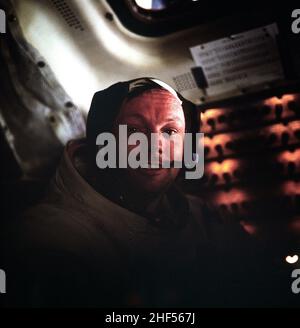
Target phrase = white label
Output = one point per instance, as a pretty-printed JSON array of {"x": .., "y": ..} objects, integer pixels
[{"x": 240, "y": 61}]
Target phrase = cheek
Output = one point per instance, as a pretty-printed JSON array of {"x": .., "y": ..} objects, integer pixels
[{"x": 176, "y": 149}]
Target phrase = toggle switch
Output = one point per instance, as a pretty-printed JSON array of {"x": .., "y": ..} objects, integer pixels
[
  {"x": 278, "y": 111},
  {"x": 291, "y": 168},
  {"x": 227, "y": 178},
  {"x": 285, "y": 138},
  {"x": 234, "y": 207},
  {"x": 214, "y": 179},
  {"x": 206, "y": 150},
  {"x": 219, "y": 150},
  {"x": 211, "y": 122}
]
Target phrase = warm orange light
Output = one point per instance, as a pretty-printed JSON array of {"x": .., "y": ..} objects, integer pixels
[
  {"x": 210, "y": 113},
  {"x": 230, "y": 165},
  {"x": 226, "y": 166},
  {"x": 232, "y": 196},
  {"x": 291, "y": 188},
  {"x": 207, "y": 141},
  {"x": 215, "y": 168},
  {"x": 248, "y": 227},
  {"x": 288, "y": 156},
  {"x": 277, "y": 128},
  {"x": 295, "y": 125},
  {"x": 294, "y": 226},
  {"x": 273, "y": 101},
  {"x": 287, "y": 98},
  {"x": 221, "y": 139}
]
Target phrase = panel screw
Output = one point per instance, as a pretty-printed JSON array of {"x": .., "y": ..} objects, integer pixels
[
  {"x": 109, "y": 16},
  {"x": 69, "y": 104},
  {"x": 41, "y": 64}
]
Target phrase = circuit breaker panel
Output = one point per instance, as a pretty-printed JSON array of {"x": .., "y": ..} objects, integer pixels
[{"x": 252, "y": 160}]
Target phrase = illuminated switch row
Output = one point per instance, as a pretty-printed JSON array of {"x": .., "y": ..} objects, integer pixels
[
  {"x": 234, "y": 200},
  {"x": 290, "y": 162},
  {"x": 285, "y": 165},
  {"x": 214, "y": 179},
  {"x": 278, "y": 109},
  {"x": 225, "y": 172},
  {"x": 278, "y": 135},
  {"x": 288, "y": 193}
]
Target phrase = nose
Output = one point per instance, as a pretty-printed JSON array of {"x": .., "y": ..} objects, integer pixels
[{"x": 155, "y": 145}]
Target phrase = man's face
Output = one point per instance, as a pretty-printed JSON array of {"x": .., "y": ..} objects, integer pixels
[{"x": 154, "y": 111}]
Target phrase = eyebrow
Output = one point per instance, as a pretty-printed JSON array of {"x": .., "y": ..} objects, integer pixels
[{"x": 174, "y": 118}]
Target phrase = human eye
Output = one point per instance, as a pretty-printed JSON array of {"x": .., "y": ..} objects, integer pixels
[{"x": 170, "y": 131}]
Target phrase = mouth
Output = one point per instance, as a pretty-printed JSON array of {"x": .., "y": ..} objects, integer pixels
[{"x": 151, "y": 171}]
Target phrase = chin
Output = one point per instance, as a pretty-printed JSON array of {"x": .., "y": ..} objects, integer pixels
[
  {"x": 154, "y": 187},
  {"x": 152, "y": 183}
]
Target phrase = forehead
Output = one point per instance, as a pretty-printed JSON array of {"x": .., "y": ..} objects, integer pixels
[{"x": 153, "y": 104}]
